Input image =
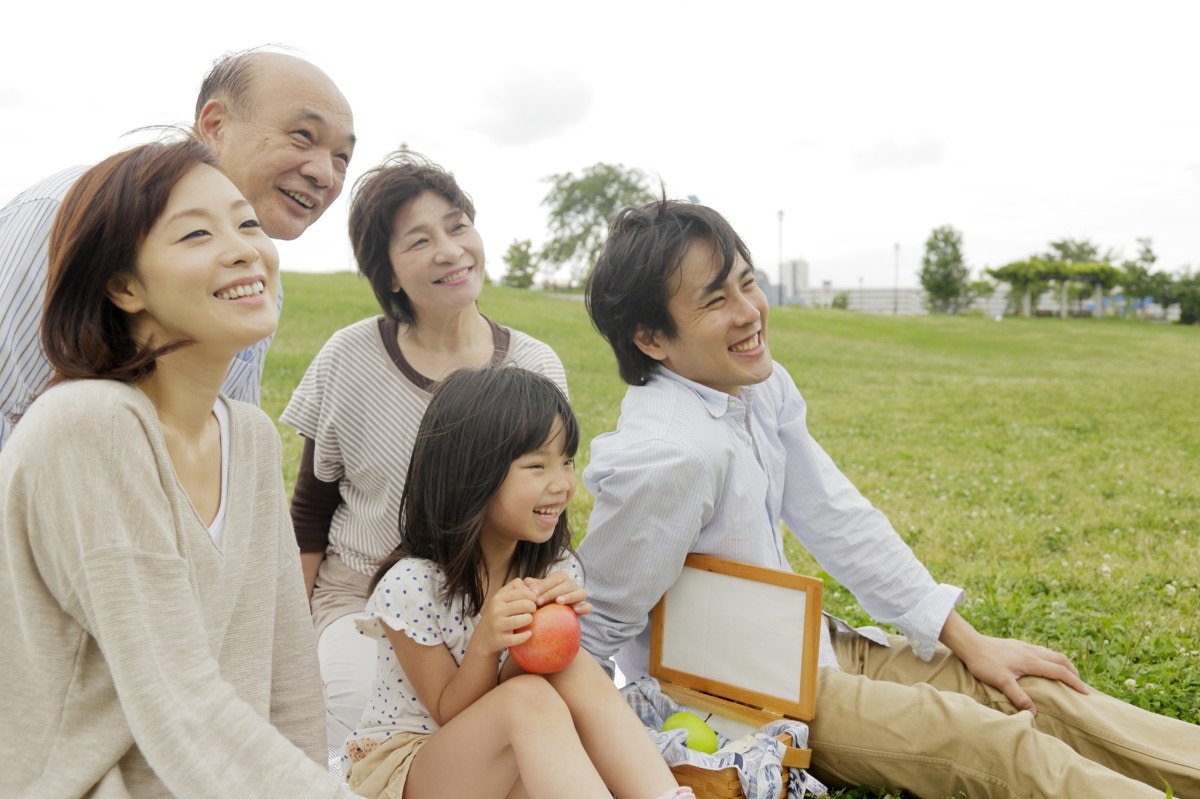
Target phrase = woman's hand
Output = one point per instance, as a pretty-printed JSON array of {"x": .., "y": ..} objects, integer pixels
[{"x": 561, "y": 588}]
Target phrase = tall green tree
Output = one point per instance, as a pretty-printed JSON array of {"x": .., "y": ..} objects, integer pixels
[
  {"x": 1026, "y": 283},
  {"x": 581, "y": 208},
  {"x": 944, "y": 276},
  {"x": 1081, "y": 260},
  {"x": 1075, "y": 251},
  {"x": 1187, "y": 294},
  {"x": 981, "y": 289},
  {"x": 522, "y": 265},
  {"x": 1164, "y": 290},
  {"x": 1137, "y": 277},
  {"x": 1142, "y": 282}
]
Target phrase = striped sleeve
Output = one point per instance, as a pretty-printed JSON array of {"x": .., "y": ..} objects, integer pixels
[
  {"x": 25, "y": 225},
  {"x": 24, "y": 263}
]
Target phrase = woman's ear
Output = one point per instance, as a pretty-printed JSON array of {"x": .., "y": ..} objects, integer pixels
[
  {"x": 125, "y": 292},
  {"x": 648, "y": 341}
]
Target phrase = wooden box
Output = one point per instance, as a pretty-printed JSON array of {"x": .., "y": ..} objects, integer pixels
[{"x": 740, "y": 642}]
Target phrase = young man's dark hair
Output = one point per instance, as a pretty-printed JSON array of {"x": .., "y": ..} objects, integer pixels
[{"x": 628, "y": 288}]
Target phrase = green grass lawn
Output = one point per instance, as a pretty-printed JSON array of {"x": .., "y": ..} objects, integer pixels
[{"x": 1047, "y": 466}]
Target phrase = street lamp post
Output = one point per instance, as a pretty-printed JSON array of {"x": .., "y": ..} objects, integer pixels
[
  {"x": 781, "y": 257},
  {"x": 896, "y": 290}
]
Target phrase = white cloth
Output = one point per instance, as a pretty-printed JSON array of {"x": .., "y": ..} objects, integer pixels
[
  {"x": 758, "y": 757},
  {"x": 691, "y": 469},
  {"x": 348, "y": 668},
  {"x": 24, "y": 266}
]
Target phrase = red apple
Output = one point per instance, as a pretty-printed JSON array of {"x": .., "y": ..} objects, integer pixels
[{"x": 554, "y": 643}]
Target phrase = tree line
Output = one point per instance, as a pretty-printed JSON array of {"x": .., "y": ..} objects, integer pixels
[
  {"x": 581, "y": 206},
  {"x": 1077, "y": 271}
]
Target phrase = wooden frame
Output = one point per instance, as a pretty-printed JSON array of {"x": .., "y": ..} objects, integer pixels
[
  {"x": 779, "y": 615},
  {"x": 724, "y": 624}
]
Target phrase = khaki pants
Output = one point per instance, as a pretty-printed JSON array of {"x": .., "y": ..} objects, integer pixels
[{"x": 891, "y": 720}]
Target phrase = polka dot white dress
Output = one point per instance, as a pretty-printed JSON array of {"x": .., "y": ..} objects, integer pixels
[{"x": 408, "y": 599}]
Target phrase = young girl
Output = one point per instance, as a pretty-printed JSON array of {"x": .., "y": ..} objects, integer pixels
[
  {"x": 156, "y": 634},
  {"x": 485, "y": 542}
]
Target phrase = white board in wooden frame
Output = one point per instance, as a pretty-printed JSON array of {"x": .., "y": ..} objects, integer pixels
[{"x": 743, "y": 633}]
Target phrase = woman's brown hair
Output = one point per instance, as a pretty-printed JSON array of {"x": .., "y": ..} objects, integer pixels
[
  {"x": 378, "y": 196},
  {"x": 100, "y": 227}
]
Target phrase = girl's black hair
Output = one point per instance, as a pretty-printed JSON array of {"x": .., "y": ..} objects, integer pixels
[{"x": 478, "y": 422}]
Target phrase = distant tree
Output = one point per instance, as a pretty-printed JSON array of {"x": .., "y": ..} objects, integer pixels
[
  {"x": 522, "y": 266},
  {"x": 581, "y": 208},
  {"x": 943, "y": 274},
  {"x": 1163, "y": 290},
  {"x": 1187, "y": 293},
  {"x": 841, "y": 301},
  {"x": 1137, "y": 278},
  {"x": 1074, "y": 251},
  {"x": 1025, "y": 281},
  {"x": 982, "y": 289},
  {"x": 1065, "y": 262}
]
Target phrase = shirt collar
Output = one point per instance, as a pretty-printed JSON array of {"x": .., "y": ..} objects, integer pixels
[{"x": 717, "y": 403}]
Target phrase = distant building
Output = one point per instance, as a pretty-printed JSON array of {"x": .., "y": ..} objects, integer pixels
[
  {"x": 911, "y": 301},
  {"x": 795, "y": 281},
  {"x": 795, "y": 277}
]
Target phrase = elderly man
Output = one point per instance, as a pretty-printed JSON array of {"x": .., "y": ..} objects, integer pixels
[
  {"x": 712, "y": 450},
  {"x": 284, "y": 134}
]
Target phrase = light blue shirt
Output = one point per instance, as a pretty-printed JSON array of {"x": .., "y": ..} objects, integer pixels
[
  {"x": 24, "y": 267},
  {"x": 692, "y": 469}
]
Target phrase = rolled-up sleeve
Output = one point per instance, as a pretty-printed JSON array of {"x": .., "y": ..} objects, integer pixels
[{"x": 853, "y": 540}]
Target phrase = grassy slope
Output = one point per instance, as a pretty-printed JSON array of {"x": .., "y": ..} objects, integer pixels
[{"x": 1047, "y": 466}]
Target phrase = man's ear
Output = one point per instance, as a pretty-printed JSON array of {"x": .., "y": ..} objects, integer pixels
[
  {"x": 124, "y": 291},
  {"x": 649, "y": 342},
  {"x": 211, "y": 122}
]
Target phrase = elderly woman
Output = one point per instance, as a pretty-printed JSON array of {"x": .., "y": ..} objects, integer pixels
[{"x": 363, "y": 397}]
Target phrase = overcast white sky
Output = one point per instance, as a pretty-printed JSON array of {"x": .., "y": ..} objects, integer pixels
[{"x": 866, "y": 123}]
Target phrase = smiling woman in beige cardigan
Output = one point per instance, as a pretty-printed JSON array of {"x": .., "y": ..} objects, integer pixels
[{"x": 156, "y": 634}]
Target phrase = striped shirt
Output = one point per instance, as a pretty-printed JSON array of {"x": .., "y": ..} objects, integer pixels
[
  {"x": 362, "y": 410},
  {"x": 24, "y": 265}
]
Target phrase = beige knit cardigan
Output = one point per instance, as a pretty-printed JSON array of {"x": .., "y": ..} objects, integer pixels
[{"x": 137, "y": 659}]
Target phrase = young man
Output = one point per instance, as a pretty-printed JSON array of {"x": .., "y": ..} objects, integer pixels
[
  {"x": 284, "y": 134},
  {"x": 712, "y": 450}
]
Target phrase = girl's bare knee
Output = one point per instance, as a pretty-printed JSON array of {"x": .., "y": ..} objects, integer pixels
[{"x": 528, "y": 698}]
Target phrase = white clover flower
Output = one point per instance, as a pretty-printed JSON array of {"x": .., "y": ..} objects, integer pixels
[
  {"x": 1131, "y": 684},
  {"x": 1169, "y": 589}
]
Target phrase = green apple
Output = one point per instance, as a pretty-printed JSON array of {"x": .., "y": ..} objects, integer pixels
[{"x": 700, "y": 736}]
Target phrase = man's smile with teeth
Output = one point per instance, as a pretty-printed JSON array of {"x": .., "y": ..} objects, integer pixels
[
  {"x": 244, "y": 290},
  {"x": 300, "y": 198},
  {"x": 747, "y": 345},
  {"x": 453, "y": 275}
]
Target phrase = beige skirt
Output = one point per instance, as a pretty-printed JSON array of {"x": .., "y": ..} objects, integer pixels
[{"x": 380, "y": 772}]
